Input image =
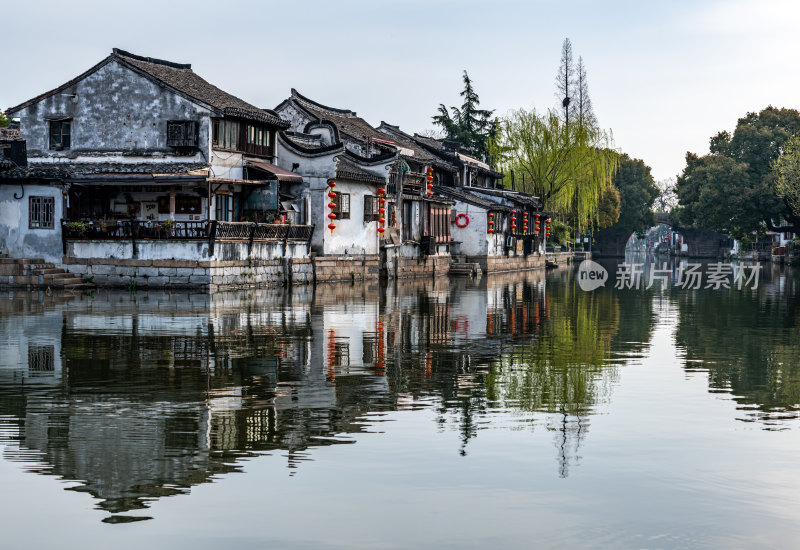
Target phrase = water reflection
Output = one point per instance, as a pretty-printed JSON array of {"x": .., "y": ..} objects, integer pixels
[{"x": 141, "y": 396}]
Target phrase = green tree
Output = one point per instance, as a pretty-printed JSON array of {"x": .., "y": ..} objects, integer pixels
[
  {"x": 566, "y": 166},
  {"x": 787, "y": 171},
  {"x": 4, "y": 120},
  {"x": 470, "y": 126},
  {"x": 637, "y": 192},
  {"x": 608, "y": 210},
  {"x": 749, "y": 193},
  {"x": 716, "y": 192}
]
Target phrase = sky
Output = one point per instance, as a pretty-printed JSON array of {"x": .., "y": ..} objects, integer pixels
[{"x": 663, "y": 76}]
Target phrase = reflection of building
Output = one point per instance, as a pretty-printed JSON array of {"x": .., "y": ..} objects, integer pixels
[{"x": 148, "y": 394}]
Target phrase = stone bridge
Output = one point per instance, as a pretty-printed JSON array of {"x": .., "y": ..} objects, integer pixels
[{"x": 701, "y": 243}]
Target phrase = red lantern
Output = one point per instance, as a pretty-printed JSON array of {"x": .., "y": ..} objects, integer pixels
[
  {"x": 331, "y": 195},
  {"x": 331, "y": 227},
  {"x": 331, "y": 205},
  {"x": 381, "y": 191},
  {"x": 536, "y": 216},
  {"x": 331, "y": 184},
  {"x": 382, "y": 210},
  {"x": 382, "y": 220},
  {"x": 381, "y": 230},
  {"x": 491, "y": 214},
  {"x": 331, "y": 216},
  {"x": 383, "y": 201}
]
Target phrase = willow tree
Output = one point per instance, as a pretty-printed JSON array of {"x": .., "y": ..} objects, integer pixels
[
  {"x": 787, "y": 171},
  {"x": 568, "y": 166}
]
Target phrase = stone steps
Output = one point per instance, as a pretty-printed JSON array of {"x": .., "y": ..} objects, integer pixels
[{"x": 36, "y": 273}]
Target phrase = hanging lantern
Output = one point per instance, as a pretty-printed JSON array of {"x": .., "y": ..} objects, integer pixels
[
  {"x": 381, "y": 230},
  {"x": 430, "y": 181},
  {"x": 383, "y": 201},
  {"x": 382, "y": 210},
  {"x": 381, "y": 191},
  {"x": 536, "y": 216},
  {"x": 331, "y": 205}
]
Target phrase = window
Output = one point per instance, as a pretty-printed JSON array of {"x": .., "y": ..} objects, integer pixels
[
  {"x": 408, "y": 220},
  {"x": 439, "y": 223},
  {"x": 371, "y": 206},
  {"x": 226, "y": 134},
  {"x": 224, "y": 207},
  {"x": 60, "y": 134},
  {"x": 181, "y": 133},
  {"x": 40, "y": 212},
  {"x": 342, "y": 209},
  {"x": 41, "y": 359}
]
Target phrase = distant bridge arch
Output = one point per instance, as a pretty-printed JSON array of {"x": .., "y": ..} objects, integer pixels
[{"x": 700, "y": 243}]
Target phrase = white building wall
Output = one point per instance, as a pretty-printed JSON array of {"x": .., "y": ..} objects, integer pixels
[{"x": 17, "y": 239}]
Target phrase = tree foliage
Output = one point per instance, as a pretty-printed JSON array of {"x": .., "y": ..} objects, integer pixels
[
  {"x": 738, "y": 173},
  {"x": 787, "y": 171},
  {"x": 470, "y": 126},
  {"x": 637, "y": 192},
  {"x": 4, "y": 120},
  {"x": 608, "y": 210},
  {"x": 566, "y": 166}
]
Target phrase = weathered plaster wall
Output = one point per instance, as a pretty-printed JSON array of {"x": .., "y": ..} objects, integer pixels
[
  {"x": 474, "y": 239},
  {"x": 115, "y": 114},
  {"x": 16, "y": 238}
]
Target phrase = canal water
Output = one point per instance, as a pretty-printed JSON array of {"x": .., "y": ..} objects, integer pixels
[{"x": 512, "y": 411}]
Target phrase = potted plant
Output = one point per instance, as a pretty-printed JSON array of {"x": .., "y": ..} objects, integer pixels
[
  {"x": 77, "y": 228},
  {"x": 166, "y": 226}
]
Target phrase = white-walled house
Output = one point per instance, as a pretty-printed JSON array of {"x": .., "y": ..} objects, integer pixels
[
  {"x": 417, "y": 222},
  {"x": 148, "y": 162}
]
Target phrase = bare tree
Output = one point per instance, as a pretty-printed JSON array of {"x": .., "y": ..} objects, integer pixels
[
  {"x": 565, "y": 81},
  {"x": 583, "y": 103},
  {"x": 666, "y": 199}
]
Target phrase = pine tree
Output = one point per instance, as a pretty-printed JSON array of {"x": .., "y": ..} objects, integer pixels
[{"x": 469, "y": 125}]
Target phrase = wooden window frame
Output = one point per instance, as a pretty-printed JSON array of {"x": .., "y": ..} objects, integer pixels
[
  {"x": 41, "y": 212},
  {"x": 371, "y": 208},
  {"x": 56, "y": 128},
  {"x": 341, "y": 212}
]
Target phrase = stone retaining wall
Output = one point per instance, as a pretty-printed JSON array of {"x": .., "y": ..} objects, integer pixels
[
  {"x": 206, "y": 275},
  {"x": 345, "y": 268},
  {"x": 425, "y": 266},
  {"x": 500, "y": 264}
]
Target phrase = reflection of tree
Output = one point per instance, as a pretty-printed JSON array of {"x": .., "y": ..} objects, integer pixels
[
  {"x": 749, "y": 345},
  {"x": 564, "y": 372}
]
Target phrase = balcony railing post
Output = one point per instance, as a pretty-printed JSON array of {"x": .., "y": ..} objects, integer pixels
[{"x": 212, "y": 235}]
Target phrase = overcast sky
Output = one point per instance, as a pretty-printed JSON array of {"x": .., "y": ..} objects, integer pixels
[{"x": 664, "y": 76}]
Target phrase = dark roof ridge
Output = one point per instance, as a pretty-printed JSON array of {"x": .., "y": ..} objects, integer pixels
[
  {"x": 302, "y": 98},
  {"x": 304, "y": 150},
  {"x": 123, "y": 53},
  {"x": 372, "y": 160},
  {"x": 64, "y": 86}
]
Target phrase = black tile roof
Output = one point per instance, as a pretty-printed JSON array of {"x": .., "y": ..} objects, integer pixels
[
  {"x": 461, "y": 194},
  {"x": 347, "y": 122},
  {"x": 182, "y": 79},
  {"x": 70, "y": 170},
  {"x": 348, "y": 170},
  {"x": 421, "y": 155}
]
